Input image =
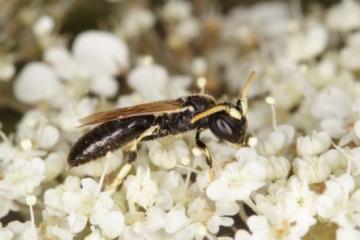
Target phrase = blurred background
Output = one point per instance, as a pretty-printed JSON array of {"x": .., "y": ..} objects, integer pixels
[{"x": 28, "y": 28}]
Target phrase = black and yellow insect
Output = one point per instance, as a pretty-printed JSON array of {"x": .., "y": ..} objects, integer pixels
[{"x": 130, "y": 125}]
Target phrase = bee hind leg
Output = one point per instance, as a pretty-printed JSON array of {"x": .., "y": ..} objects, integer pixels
[{"x": 125, "y": 170}]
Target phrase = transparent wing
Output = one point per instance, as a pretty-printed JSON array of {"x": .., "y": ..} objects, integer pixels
[{"x": 137, "y": 110}]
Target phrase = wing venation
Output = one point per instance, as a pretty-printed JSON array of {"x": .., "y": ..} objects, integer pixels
[{"x": 137, "y": 110}]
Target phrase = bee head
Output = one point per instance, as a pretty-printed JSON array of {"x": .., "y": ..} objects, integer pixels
[{"x": 229, "y": 125}]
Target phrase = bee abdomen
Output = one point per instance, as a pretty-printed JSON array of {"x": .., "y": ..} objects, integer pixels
[{"x": 107, "y": 137}]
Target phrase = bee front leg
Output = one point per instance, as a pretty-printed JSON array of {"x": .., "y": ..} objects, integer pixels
[{"x": 203, "y": 148}]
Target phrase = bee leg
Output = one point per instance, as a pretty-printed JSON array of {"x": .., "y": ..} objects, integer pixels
[
  {"x": 203, "y": 148},
  {"x": 125, "y": 170}
]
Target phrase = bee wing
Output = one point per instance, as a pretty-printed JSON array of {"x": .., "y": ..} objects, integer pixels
[{"x": 137, "y": 110}]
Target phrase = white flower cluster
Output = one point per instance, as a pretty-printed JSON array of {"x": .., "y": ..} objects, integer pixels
[{"x": 296, "y": 178}]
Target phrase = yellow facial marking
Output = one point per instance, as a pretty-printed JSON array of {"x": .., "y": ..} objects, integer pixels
[{"x": 235, "y": 113}]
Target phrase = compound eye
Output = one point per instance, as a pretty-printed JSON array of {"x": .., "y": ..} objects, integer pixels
[{"x": 223, "y": 127}]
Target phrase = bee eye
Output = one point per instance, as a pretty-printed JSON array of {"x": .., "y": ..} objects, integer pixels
[
  {"x": 228, "y": 128},
  {"x": 223, "y": 127}
]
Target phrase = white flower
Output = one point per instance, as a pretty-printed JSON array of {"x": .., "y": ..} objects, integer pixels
[
  {"x": 312, "y": 169},
  {"x": 237, "y": 28},
  {"x": 6, "y": 234},
  {"x": 288, "y": 93},
  {"x": 141, "y": 189},
  {"x": 349, "y": 13},
  {"x": 43, "y": 26},
  {"x": 324, "y": 72},
  {"x": 59, "y": 233},
  {"x": 149, "y": 80},
  {"x": 54, "y": 165},
  {"x": 50, "y": 136},
  {"x": 340, "y": 203},
  {"x": 178, "y": 86},
  {"x": 82, "y": 203},
  {"x": 192, "y": 231},
  {"x": 62, "y": 62},
  {"x": 7, "y": 204},
  {"x": 171, "y": 189},
  {"x": 36, "y": 127},
  {"x": 307, "y": 44},
  {"x": 185, "y": 31},
  {"x": 338, "y": 116},
  {"x": 219, "y": 218},
  {"x": 332, "y": 102},
  {"x": 273, "y": 228},
  {"x": 347, "y": 233},
  {"x": 94, "y": 235},
  {"x": 22, "y": 177},
  {"x": 202, "y": 212},
  {"x": 278, "y": 167},
  {"x": 299, "y": 193},
  {"x": 136, "y": 21},
  {"x": 130, "y": 234},
  {"x": 110, "y": 223},
  {"x": 270, "y": 18},
  {"x": 7, "y": 152},
  {"x": 104, "y": 86},
  {"x": 96, "y": 168},
  {"x": 109, "y": 57},
  {"x": 318, "y": 143},
  {"x": 287, "y": 212},
  {"x": 166, "y": 153},
  {"x": 68, "y": 117},
  {"x": 335, "y": 127},
  {"x": 199, "y": 66},
  {"x": 357, "y": 128},
  {"x": 7, "y": 69},
  {"x": 89, "y": 68},
  {"x": 156, "y": 219},
  {"x": 243, "y": 25},
  {"x": 176, "y": 10},
  {"x": 259, "y": 226},
  {"x": 239, "y": 179},
  {"x": 277, "y": 140},
  {"x": 23, "y": 230},
  {"x": 351, "y": 159},
  {"x": 175, "y": 220},
  {"x": 349, "y": 56},
  {"x": 36, "y": 82},
  {"x": 129, "y": 100}
]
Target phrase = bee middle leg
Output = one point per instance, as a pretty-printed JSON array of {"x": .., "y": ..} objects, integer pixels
[{"x": 132, "y": 155}]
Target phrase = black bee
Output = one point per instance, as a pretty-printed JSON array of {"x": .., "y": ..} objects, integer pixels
[{"x": 130, "y": 125}]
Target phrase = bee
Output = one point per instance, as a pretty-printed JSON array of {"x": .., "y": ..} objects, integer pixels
[{"x": 127, "y": 127}]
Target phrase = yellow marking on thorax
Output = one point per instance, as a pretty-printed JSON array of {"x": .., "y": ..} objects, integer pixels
[{"x": 230, "y": 110}]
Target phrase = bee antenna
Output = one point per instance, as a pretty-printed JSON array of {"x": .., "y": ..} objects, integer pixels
[{"x": 244, "y": 91}]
